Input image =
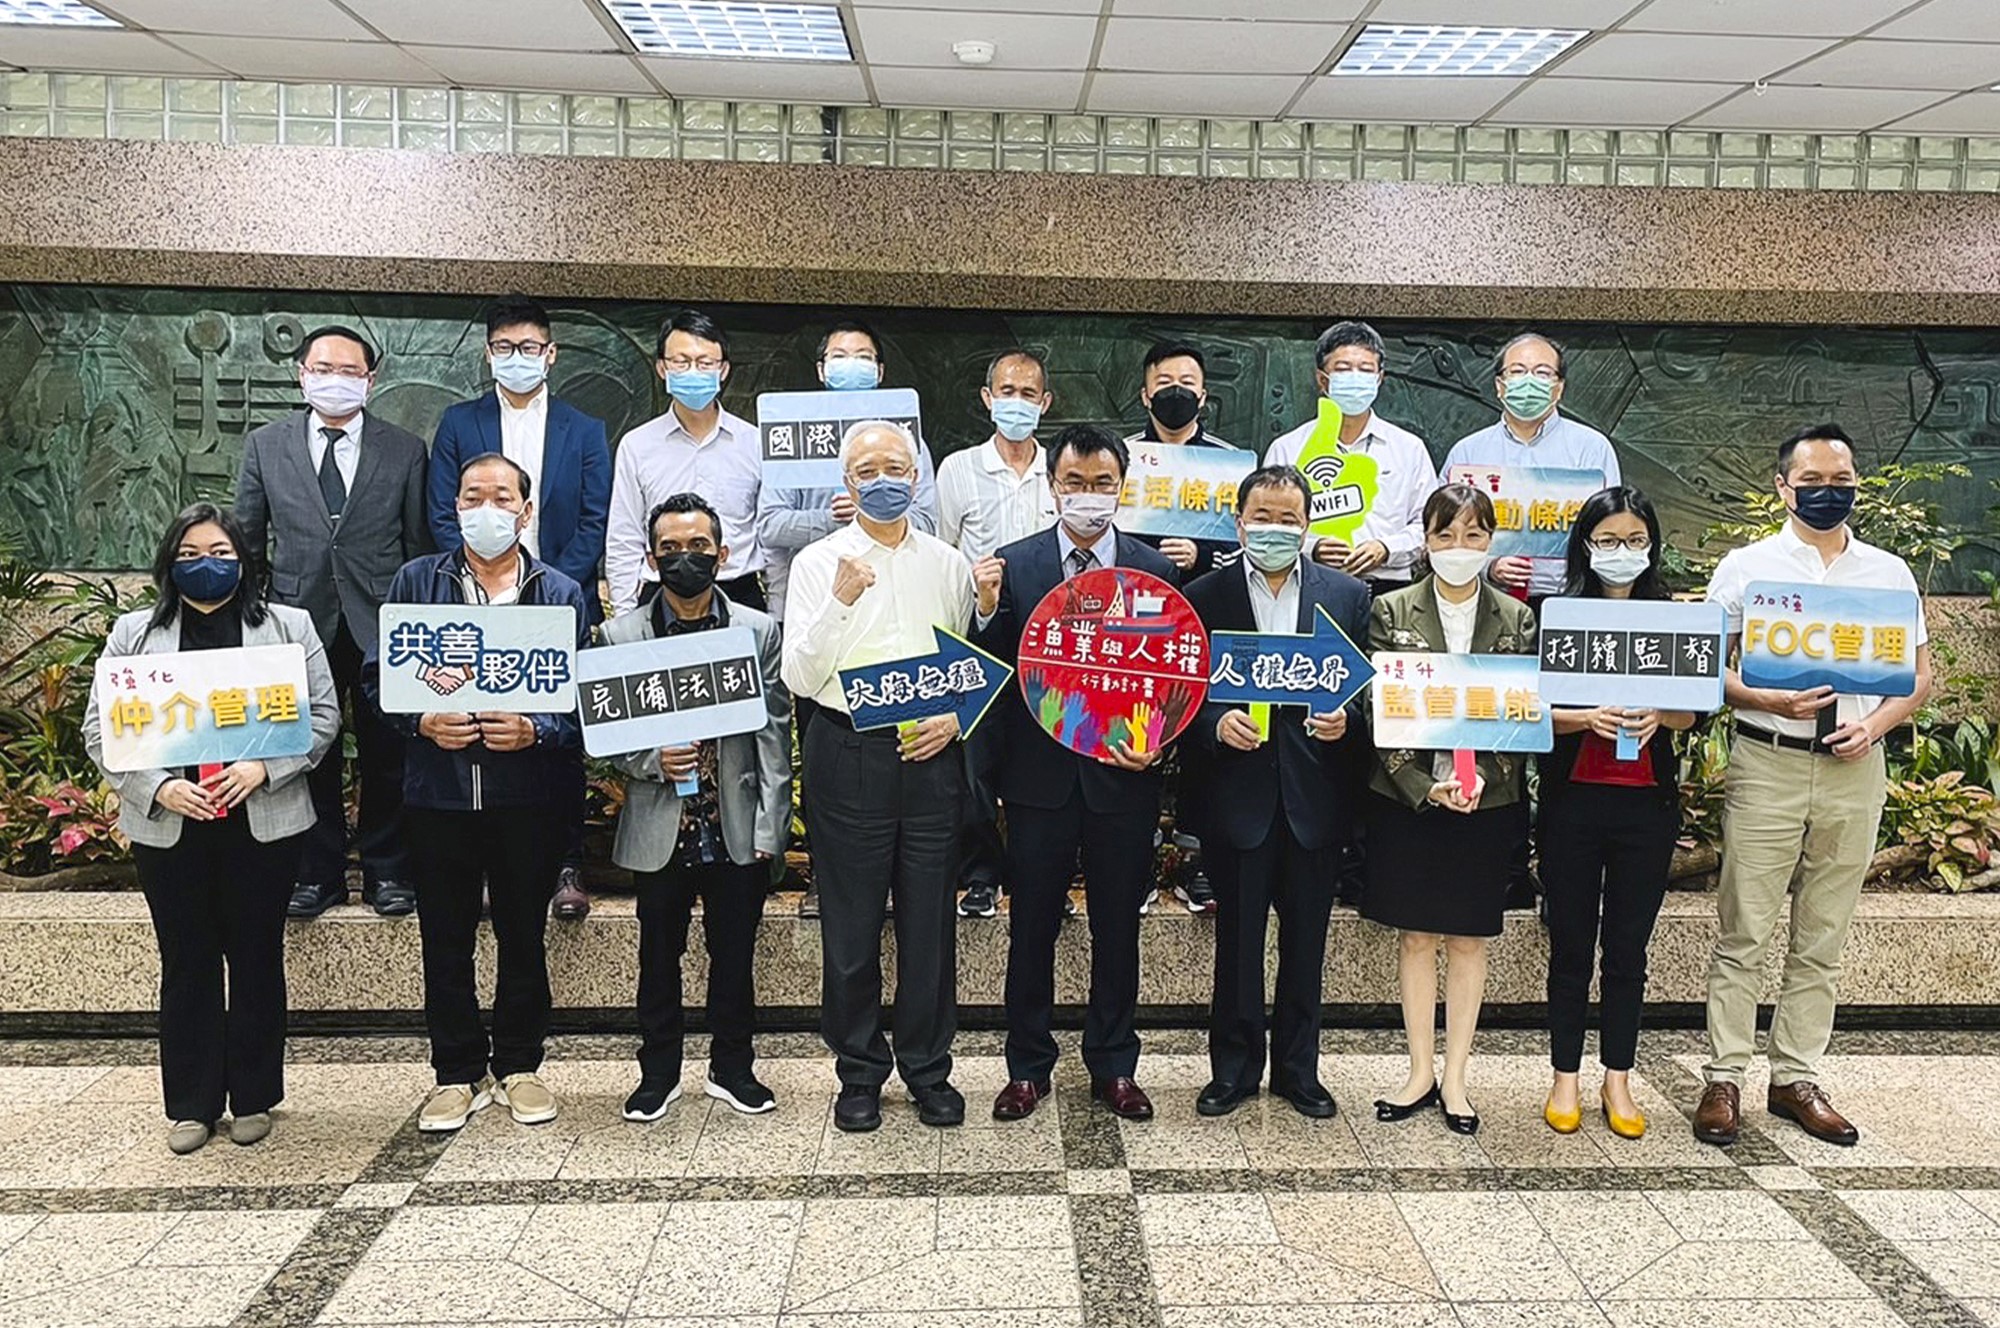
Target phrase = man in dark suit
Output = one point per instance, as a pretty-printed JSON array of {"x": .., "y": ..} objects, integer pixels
[
  {"x": 1060, "y": 803},
  {"x": 342, "y": 498},
  {"x": 568, "y": 463},
  {"x": 1278, "y": 806}
]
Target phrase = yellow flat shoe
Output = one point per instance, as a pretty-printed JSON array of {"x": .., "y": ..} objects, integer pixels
[
  {"x": 1562, "y": 1122},
  {"x": 1625, "y": 1127}
]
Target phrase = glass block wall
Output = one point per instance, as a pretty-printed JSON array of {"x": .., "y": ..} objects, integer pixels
[{"x": 450, "y": 120}]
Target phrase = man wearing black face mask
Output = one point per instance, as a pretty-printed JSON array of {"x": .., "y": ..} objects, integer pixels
[{"x": 1801, "y": 803}]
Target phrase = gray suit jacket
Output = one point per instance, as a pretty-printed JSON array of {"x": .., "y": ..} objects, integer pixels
[
  {"x": 283, "y": 807},
  {"x": 754, "y": 769},
  {"x": 334, "y": 570}
]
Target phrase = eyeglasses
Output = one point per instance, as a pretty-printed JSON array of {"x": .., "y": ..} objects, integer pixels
[
  {"x": 681, "y": 364},
  {"x": 1541, "y": 371},
  {"x": 868, "y": 356},
  {"x": 337, "y": 370},
  {"x": 1611, "y": 543},
  {"x": 1104, "y": 484},
  {"x": 894, "y": 470},
  {"x": 534, "y": 350}
]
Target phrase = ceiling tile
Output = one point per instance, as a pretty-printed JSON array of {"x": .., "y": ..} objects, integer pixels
[
  {"x": 547, "y": 25},
  {"x": 1608, "y": 103},
  {"x": 1168, "y": 45},
  {"x": 802, "y": 81},
  {"x": 1396, "y": 100},
  {"x": 1257, "y": 95},
  {"x": 923, "y": 37},
  {"x": 1090, "y": 7},
  {"x": 546, "y": 71},
  {"x": 1317, "y": 11},
  {"x": 982, "y": 89},
  {"x": 1818, "y": 18},
  {"x": 1976, "y": 114},
  {"x": 1592, "y": 14},
  {"x": 98, "y": 51},
  {"x": 1950, "y": 66},
  {"x": 312, "y": 62},
  {"x": 1947, "y": 20},
  {"x": 1826, "y": 110},
  {"x": 293, "y": 18},
  {"x": 1686, "y": 56}
]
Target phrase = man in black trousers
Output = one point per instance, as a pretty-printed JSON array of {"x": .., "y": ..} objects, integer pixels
[
  {"x": 1277, "y": 806},
  {"x": 1059, "y": 802}
]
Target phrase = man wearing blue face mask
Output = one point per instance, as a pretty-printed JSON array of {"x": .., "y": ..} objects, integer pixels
[{"x": 695, "y": 447}]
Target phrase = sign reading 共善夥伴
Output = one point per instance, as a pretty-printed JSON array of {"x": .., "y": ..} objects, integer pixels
[{"x": 467, "y": 658}]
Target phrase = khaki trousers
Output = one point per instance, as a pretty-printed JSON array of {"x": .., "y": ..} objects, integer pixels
[{"x": 1787, "y": 813}]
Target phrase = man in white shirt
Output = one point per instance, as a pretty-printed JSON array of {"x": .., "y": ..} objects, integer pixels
[
  {"x": 1801, "y": 805},
  {"x": 886, "y": 813},
  {"x": 695, "y": 447}
]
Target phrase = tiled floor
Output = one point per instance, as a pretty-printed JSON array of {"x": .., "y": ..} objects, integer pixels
[{"x": 707, "y": 1219}]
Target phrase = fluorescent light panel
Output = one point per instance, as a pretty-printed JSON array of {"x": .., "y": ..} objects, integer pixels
[
  {"x": 54, "y": 14},
  {"x": 1447, "y": 50},
  {"x": 759, "y": 29}
]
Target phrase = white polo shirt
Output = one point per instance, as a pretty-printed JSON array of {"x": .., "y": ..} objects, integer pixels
[
  {"x": 983, "y": 504},
  {"x": 1405, "y": 480},
  {"x": 1786, "y": 557}
]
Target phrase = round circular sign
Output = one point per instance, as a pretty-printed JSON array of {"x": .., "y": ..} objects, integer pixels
[{"x": 1115, "y": 656}]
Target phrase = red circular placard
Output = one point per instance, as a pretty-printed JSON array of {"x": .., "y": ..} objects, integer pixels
[{"x": 1115, "y": 655}]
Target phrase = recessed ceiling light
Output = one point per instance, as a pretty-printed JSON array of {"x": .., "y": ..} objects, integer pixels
[
  {"x": 1444, "y": 49},
  {"x": 55, "y": 14},
  {"x": 763, "y": 29}
]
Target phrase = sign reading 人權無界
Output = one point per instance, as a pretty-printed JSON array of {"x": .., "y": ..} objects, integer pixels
[
  {"x": 203, "y": 707},
  {"x": 1173, "y": 491},
  {"x": 957, "y": 678},
  {"x": 800, "y": 432},
  {"x": 1851, "y": 638},
  {"x": 1319, "y": 672},
  {"x": 1655, "y": 654},
  {"x": 472, "y": 658},
  {"x": 672, "y": 691},
  {"x": 1439, "y": 701},
  {"x": 1533, "y": 506}
]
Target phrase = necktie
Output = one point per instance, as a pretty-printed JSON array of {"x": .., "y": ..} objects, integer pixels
[
  {"x": 331, "y": 487},
  {"x": 1081, "y": 561}
]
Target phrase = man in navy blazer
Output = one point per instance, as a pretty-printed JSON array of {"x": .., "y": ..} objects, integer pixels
[
  {"x": 1278, "y": 805},
  {"x": 567, "y": 461},
  {"x": 1060, "y": 803}
]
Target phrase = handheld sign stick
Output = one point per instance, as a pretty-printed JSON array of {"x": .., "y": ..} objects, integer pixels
[
  {"x": 1628, "y": 745},
  {"x": 1466, "y": 769}
]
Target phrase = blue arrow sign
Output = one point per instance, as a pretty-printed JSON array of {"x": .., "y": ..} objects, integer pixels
[
  {"x": 956, "y": 678},
  {"x": 1320, "y": 671}
]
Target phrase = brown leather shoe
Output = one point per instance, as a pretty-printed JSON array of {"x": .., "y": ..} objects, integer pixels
[
  {"x": 1719, "y": 1118},
  {"x": 1805, "y": 1105},
  {"x": 1018, "y": 1100},
  {"x": 571, "y": 904},
  {"x": 1124, "y": 1097}
]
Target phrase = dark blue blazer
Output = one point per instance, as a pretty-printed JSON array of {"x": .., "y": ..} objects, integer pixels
[
  {"x": 1313, "y": 782},
  {"x": 1034, "y": 769},
  {"x": 573, "y": 494}
]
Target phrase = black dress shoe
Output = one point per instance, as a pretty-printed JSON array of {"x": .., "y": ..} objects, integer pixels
[
  {"x": 309, "y": 901},
  {"x": 858, "y": 1109},
  {"x": 1308, "y": 1098},
  {"x": 1222, "y": 1097},
  {"x": 1386, "y": 1110},
  {"x": 1468, "y": 1124},
  {"x": 939, "y": 1104},
  {"x": 391, "y": 899}
]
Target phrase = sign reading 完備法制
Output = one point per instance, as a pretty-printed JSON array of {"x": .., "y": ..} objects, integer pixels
[
  {"x": 1851, "y": 638},
  {"x": 203, "y": 707},
  {"x": 800, "y": 432},
  {"x": 673, "y": 691},
  {"x": 1176, "y": 491},
  {"x": 1480, "y": 703},
  {"x": 1655, "y": 654},
  {"x": 468, "y": 658}
]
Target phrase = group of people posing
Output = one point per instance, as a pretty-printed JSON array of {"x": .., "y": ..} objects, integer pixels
[{"x": 519, "y": 501}]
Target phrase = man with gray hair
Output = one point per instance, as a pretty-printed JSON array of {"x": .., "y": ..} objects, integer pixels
[{"x": 884, "y": 815}]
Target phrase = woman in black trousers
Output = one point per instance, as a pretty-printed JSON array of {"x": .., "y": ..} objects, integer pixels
[
  {"x": 1607, "y": 831},
  {"x": 217, "y": 851}
]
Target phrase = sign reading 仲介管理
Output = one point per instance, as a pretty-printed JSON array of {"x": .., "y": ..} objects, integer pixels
[{"x": 203, "y": 707}]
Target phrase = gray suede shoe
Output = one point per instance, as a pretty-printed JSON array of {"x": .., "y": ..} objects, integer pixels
[
  {"x": 249, "y": 1129},
  {"x": 188, "y": 1136}
]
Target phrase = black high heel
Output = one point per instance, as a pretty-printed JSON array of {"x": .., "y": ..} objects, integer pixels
[
  {"x": 1386, "y": 1110},
  {"x": 1459, "y": 1124}
]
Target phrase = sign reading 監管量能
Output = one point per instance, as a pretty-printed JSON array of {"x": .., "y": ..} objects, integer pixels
[{"x": 1439, "y": 701}]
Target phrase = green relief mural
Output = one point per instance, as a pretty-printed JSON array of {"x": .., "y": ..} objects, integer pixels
[{"x": 118, "y": 404}]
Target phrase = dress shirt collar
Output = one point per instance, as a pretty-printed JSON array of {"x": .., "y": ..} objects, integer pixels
[
  {"x": 1795, "y": 548},
  {"x": 993, "y": 463},
  {"x": 538, "y": 404},
  {"x": 1548, "y": 422},
  {"x": 1105, "y": 550},
  {"x": 352, "y": 429},
  {"x": 1257, "y": 579}
]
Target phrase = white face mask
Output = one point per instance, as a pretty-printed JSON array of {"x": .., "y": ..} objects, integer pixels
[
  {"x": 1087, "y": 514},
  {"x": 487, "y": 530},
  {"x": 1620, "y": 566},
  {"x": 334, "y": 396},
  {"x": 1457, "y": 567}
]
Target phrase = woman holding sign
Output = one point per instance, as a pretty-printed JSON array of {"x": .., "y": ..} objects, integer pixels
[
  {"x": 1437, "y": 850},
  {"x": 1608, "y": 829},
  {"x": 217, "y": 846}
]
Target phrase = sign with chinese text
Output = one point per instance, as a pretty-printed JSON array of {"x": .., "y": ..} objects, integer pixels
[
  {"x": 468, "y": 658},
  {"x": 1853, "y": 639},
  {"x": 1176, "y": 491},
  {"x": 1655, "y": 654},
  {"x": 799, "y": 432},
  {"x": 203, "y": 707},
  {"x": 1533, "y": 506},
  {"x": 1113, "y": 656},
  {"x": 672, "y": 691},
  {"x": 957, "y": 678},
  {"x": 1319, "y": 672},
  {"x": 1479, "y": 703},
  {"x": 1344, "y": 483}
]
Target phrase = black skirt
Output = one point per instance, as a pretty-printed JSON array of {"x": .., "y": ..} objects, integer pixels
[{"x": 1437, "y": 870}]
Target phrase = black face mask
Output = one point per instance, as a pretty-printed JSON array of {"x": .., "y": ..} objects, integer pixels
[
  {"x": 686, "y": 575},
  {"x": 1824, "y": 506},
  {"x": 1175, "y": 407}
]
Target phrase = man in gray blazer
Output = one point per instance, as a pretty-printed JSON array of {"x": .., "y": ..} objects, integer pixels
[
  {"x": 342, "y": 499},
  {"x": 716, "y": 842}
]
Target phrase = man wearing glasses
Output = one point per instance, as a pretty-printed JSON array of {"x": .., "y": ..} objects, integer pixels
[
  {"x": 695, "y": 447},
  {"x": 342, "y": 498},
  {"x": 563, "y": 453}
]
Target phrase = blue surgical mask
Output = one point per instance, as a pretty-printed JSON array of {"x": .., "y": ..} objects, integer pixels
[
  {"x": 1016, "y": 419},
  {"x": 1824, "y": 506},
  {"x": 520, "y": 373},
  {"x": 848, "y": 374},
  {"x": 694, "y": 388},
  {"x": 207, "y": 580},
  {"x": 1273, "y": 548},
  {"x": 487, "y": 530},
  {"x": 884, "y": 498},
  {"x": 1353, "y": 390}
]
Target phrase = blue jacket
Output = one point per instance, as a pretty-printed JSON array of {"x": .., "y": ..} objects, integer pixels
[
  {"x": 573, "y": 494},
  {"x": 550, "y": 773}
]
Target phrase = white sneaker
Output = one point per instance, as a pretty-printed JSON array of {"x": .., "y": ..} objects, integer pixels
[
  {"x": 526, "y": 1099},
  {"x": 450, "y": 1105}
]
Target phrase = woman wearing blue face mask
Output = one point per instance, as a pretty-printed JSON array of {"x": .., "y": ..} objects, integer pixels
[
  {"x": 217, "y": 847},
  {"x": 1607, "y": 831}
]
